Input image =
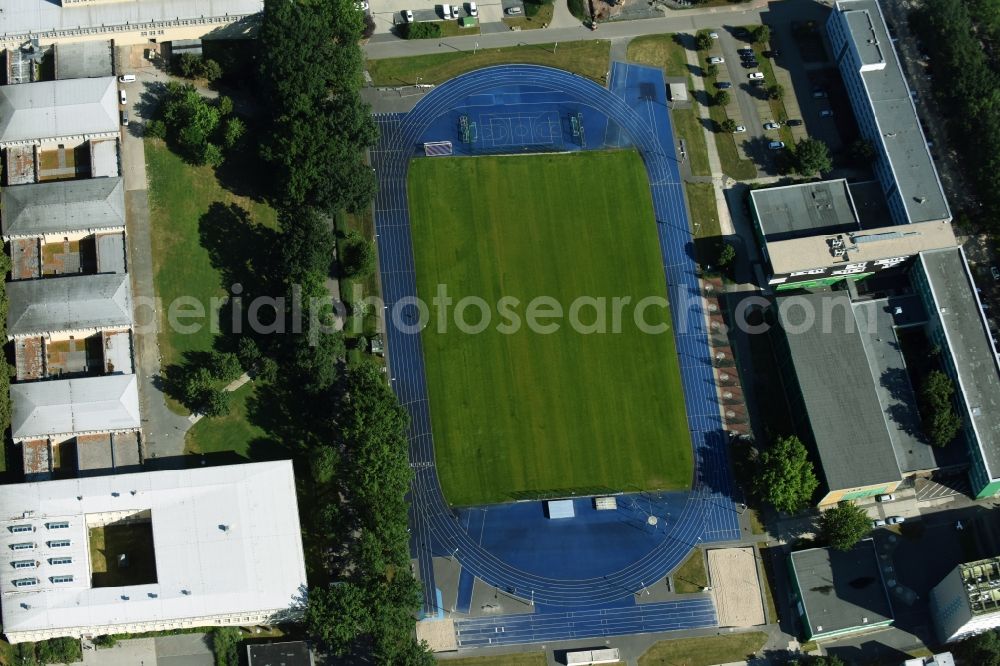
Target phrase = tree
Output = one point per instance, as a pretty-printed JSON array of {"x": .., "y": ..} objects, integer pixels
[
  {"x": 940, "y": 422},
  {"x": 248, "y": 352},
  {"x": 844, "y": 525},
  {"x": 785, "y": 478},
  {"x": 357, "y": 255},
  {"x": 59, "y": 651},
  {"x": 703, "y": 42},
  {"x": 156, "y": 129},
  {"x": 216, "y": 402},
  {"x": 862, "y": 152},
  {"x": 307, "y": 244},
  {"x": 338, "y": 615},
  {"x": 722, "y": 98},
  {"x": 187, "y": 65},
  {"x": 982, "y": 649},
  {"x": 225, "y": 366},
  {"x": 777, "y": 91},
  {"x": 212, "y": 155},
  {"x": 224, "y": 104},
  {"x": 233, "y": 132},
  {"x": 196, "y": 383},
  {"x": 726, "y": 255},
  {"x": 728, "y": 125},
  {"x": 209, "y": 69},
  {"x": 812, "y": 156},
  {"x": 225, "y": 645},
  {"x": 190, "y": 121},
  {"x": 761, "y": 34},
  {"x": 267, "y": 370},
  {"x": 712, "y": 70}
]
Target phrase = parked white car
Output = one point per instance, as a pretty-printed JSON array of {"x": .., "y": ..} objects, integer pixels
[
  {"x": 408, "y": 15},
  {"x": 878, "y": 523},
  {"x": 513, "y": 11},
  {"x": 740, "y": 129},
  {"x": 772, "y": 126},
  {"x": 755, "y": 75},
  {"x": 888, "y": 497},
  {"x": 716, "y": 60},
  {"x": 121, "y": 96},
  {"x": 126, "y": 78},
  {"x": 473, "y": 9},
  {"x": 895, "y": 520},
  {"x": 776, "y": 145}
]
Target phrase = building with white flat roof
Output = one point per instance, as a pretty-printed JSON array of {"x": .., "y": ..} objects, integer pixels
[{"x": 210, "y": 546}]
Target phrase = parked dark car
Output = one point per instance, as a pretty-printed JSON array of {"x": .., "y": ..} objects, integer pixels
[
  {"x": 750, "y": 64},
  {"x": 771, "y": 54},
  {"x": 744, "y": 52},
  {"x": 723, "y": 85},
  {"x": 757, "y": 83},
  {"x": 795, "y": 122}
]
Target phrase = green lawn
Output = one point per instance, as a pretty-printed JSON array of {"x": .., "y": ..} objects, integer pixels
[
  {"x": 588, "y": 58},
  {"x": 663, "y": 51},
  {"x": 529, "y": 414},
  {"x": 181, "y": 197},
  {"x": 523, "y": 659},
  {"x": 703, "y": 651},
  {"x": 691, "y": 576},
  {"x": 232, "y": 432}
]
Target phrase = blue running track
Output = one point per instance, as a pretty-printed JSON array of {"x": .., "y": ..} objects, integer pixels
[{"x": 516, "y": 109}]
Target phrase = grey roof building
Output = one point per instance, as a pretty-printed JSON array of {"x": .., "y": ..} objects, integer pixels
[
  {"x": 957, "y": 324},
  {"x": 840, "y": 592},
  {"x": 886, "y": 116},
  {"x": 83, "y": 60},
  {"x": 73, "y": 110},
  {"x": 837, "y": 358},
  {"x": 78, "y": 303},
  {"x": 67, "y": 407},
  {"x": 808, "y": 209},
  {"x": 90, "y": 205}
]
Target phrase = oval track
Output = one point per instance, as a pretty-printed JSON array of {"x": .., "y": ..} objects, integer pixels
[{"x": 435, "y": 527}]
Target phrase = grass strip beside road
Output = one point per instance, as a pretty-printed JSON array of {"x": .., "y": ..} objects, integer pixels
[
  {"x": 704, "y": 651},
  {"x": 520, "y": 659},
  {"x": 588, "y": 58},
  {"x": 664, "y": 51}
]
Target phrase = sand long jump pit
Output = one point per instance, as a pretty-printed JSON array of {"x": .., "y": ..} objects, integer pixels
[{"x": 736, "y": 587}]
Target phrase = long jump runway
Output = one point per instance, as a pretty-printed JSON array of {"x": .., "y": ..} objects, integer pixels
[{"x": 513, "y": 109}]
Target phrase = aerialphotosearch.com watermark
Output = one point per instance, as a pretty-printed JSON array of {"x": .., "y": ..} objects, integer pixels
[{"x": 472, "y": 315}]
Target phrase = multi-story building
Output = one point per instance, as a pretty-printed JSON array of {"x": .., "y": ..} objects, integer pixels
[
  {"x": 812, "y": 236},
  {"x": 884, "y": 109},
  {"x": 124, "y": 21},
  {"x": 957, "y": 326},
  {"x": 210, "y": 546},
  {"x": 967, "y": 601},
  {"x": 839, "y": 593}
]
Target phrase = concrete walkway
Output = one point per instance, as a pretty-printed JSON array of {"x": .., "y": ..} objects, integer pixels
[{"x": 561, "y": 16}]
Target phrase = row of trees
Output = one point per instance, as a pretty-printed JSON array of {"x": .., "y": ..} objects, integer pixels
[
  {"x": 345, "y": 424},
  {"x": 192, "y": 66},
  {"x": 968, "y": 86},
  {"x": 940, "y": 422},
  {"x": 52, "y": 651}
]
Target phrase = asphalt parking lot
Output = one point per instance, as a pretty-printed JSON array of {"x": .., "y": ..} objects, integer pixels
[{"x": 389, "y": 13}]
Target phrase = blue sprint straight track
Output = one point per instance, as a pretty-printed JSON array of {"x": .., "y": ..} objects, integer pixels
[{"x": 524, "y": 108}]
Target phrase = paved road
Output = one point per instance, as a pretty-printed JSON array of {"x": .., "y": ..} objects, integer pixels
[
  {"x": 184, "y": 650},
  {"x": 162, "y": 430},
  {"x": 686, "y": 21}
]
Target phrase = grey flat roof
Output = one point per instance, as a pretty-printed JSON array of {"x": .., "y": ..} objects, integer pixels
[
  {"x": 68, "y": 406},
  {"x": 841, "y": 589},
  {"x": 290, "y": 653},
  {"x": 896, "y": 396},
  {"x": 896, "y": 117},
  {"x": 870, "y": 204},
  {"x": 42, "y": 16},
  {"x": 68, "y": 303},
  {"x": 104, "y": 158},
  {"x": 848, "y": 426},
  {"x": 54, "y": 109},
  {"x": 83, "y": 60},
  {"x": 887, "y": 243},
  {"x": 970, "y": 347},
  {"x": 110, "y": 253},
  {"x": 794, "y": 211},
  {"x": 70, "y": 205}
]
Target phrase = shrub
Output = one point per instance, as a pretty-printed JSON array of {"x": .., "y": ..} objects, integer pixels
[
  {"x": 156, "y": 129},
  {"x": 225, "y": 366},
  {"x": 577, "y": 8},
  {"x": 421, "y": 30},
  {"x": 217, "y": 402}
]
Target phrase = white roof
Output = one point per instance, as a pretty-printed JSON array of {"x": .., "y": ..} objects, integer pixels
[
  {"x": 54, "y": 109},
  {"x": 41, "y": 15},
  {"x": 66, "y": 406},
  {"x": 561, "y": 509},
  {"x": 256, "y": 564}
]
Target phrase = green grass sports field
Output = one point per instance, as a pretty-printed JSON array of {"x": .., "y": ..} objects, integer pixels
[{"x": 528, "y": 414}]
